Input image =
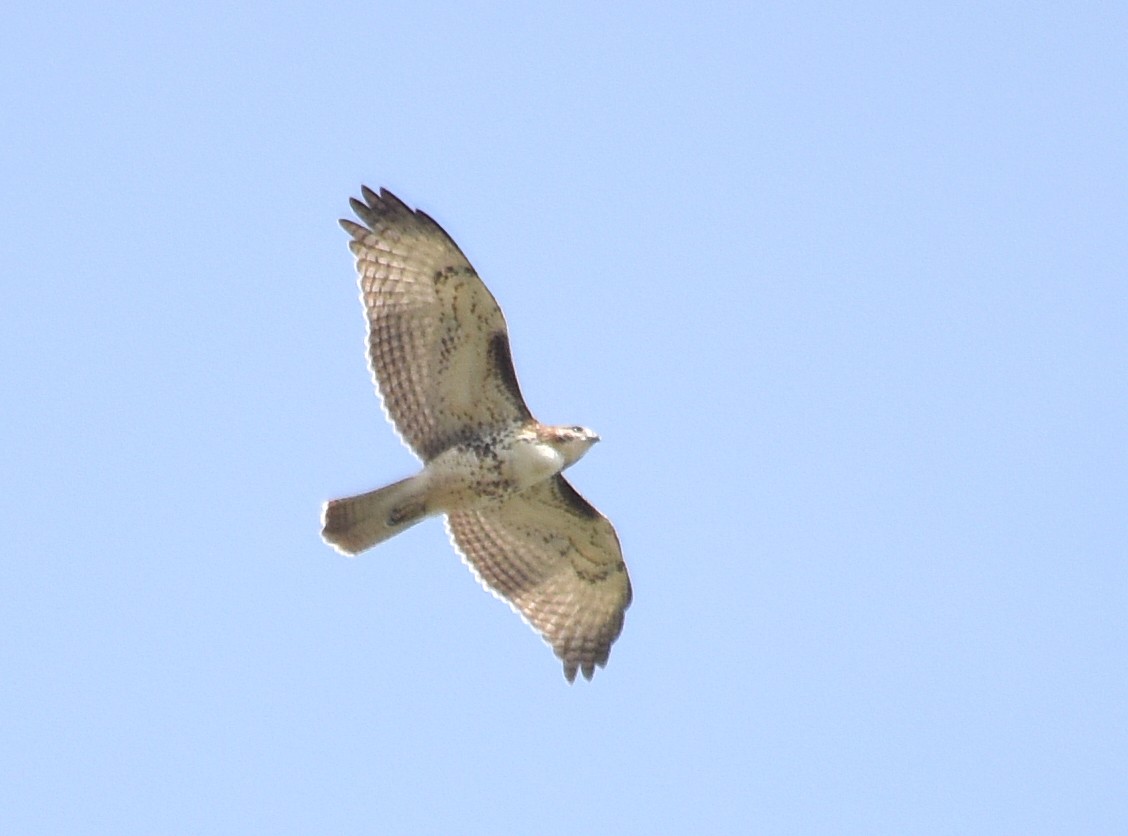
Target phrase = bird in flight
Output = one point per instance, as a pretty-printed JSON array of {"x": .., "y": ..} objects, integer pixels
[{"x": 438, "y": 349}]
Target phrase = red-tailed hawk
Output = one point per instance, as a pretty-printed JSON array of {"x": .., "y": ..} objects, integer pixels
[{"x": 438, "y": 349}]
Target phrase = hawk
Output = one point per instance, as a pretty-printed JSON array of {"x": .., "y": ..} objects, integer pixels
[{"x": 438, "y": 350}]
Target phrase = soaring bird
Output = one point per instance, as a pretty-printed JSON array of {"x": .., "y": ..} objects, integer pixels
[{"x": 438, "y": 350}]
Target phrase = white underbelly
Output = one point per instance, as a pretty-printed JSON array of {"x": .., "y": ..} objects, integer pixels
[
  {"x": 464, "y": 477},
  {"x": 532, "y": 463}
]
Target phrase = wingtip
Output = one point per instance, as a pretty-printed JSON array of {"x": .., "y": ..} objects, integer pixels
[
  {"x": 370, "y": 197},
  {"x": 586, "y": 668}
]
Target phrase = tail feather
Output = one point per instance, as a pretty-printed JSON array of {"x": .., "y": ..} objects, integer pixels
[{"x": 356, "y": 523}]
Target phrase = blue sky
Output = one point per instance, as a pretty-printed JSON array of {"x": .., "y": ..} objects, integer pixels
[{"x": 843, "y": 288}]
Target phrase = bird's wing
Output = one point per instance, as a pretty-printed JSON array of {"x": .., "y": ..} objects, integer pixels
[
  {"x": 557, "y": 561},
  {"x": 438, "y": 346}
]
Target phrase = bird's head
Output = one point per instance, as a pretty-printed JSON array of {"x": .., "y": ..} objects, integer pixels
[{"x": 570, "y": 442}]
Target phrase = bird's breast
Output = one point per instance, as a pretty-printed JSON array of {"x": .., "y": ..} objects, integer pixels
[
  {"x": 531, "y": 461},
  {"x": 488, "y": 470}
]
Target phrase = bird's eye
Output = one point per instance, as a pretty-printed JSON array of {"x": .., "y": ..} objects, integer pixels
[{"x": 578, "y": 430}]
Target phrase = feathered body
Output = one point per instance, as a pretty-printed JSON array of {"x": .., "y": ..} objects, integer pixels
[{"x": 439, "y": 354}]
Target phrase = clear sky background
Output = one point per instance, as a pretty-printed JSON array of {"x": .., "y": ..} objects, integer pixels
[{"x": 844, "y": 287}]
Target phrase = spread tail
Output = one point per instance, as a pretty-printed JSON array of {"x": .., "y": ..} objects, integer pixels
[{"x": 356, "y": 523}]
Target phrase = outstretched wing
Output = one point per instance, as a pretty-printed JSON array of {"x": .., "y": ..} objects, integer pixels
[
  {"x": 557, "y": 561},
  {"x": 438, "y": 347}
]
